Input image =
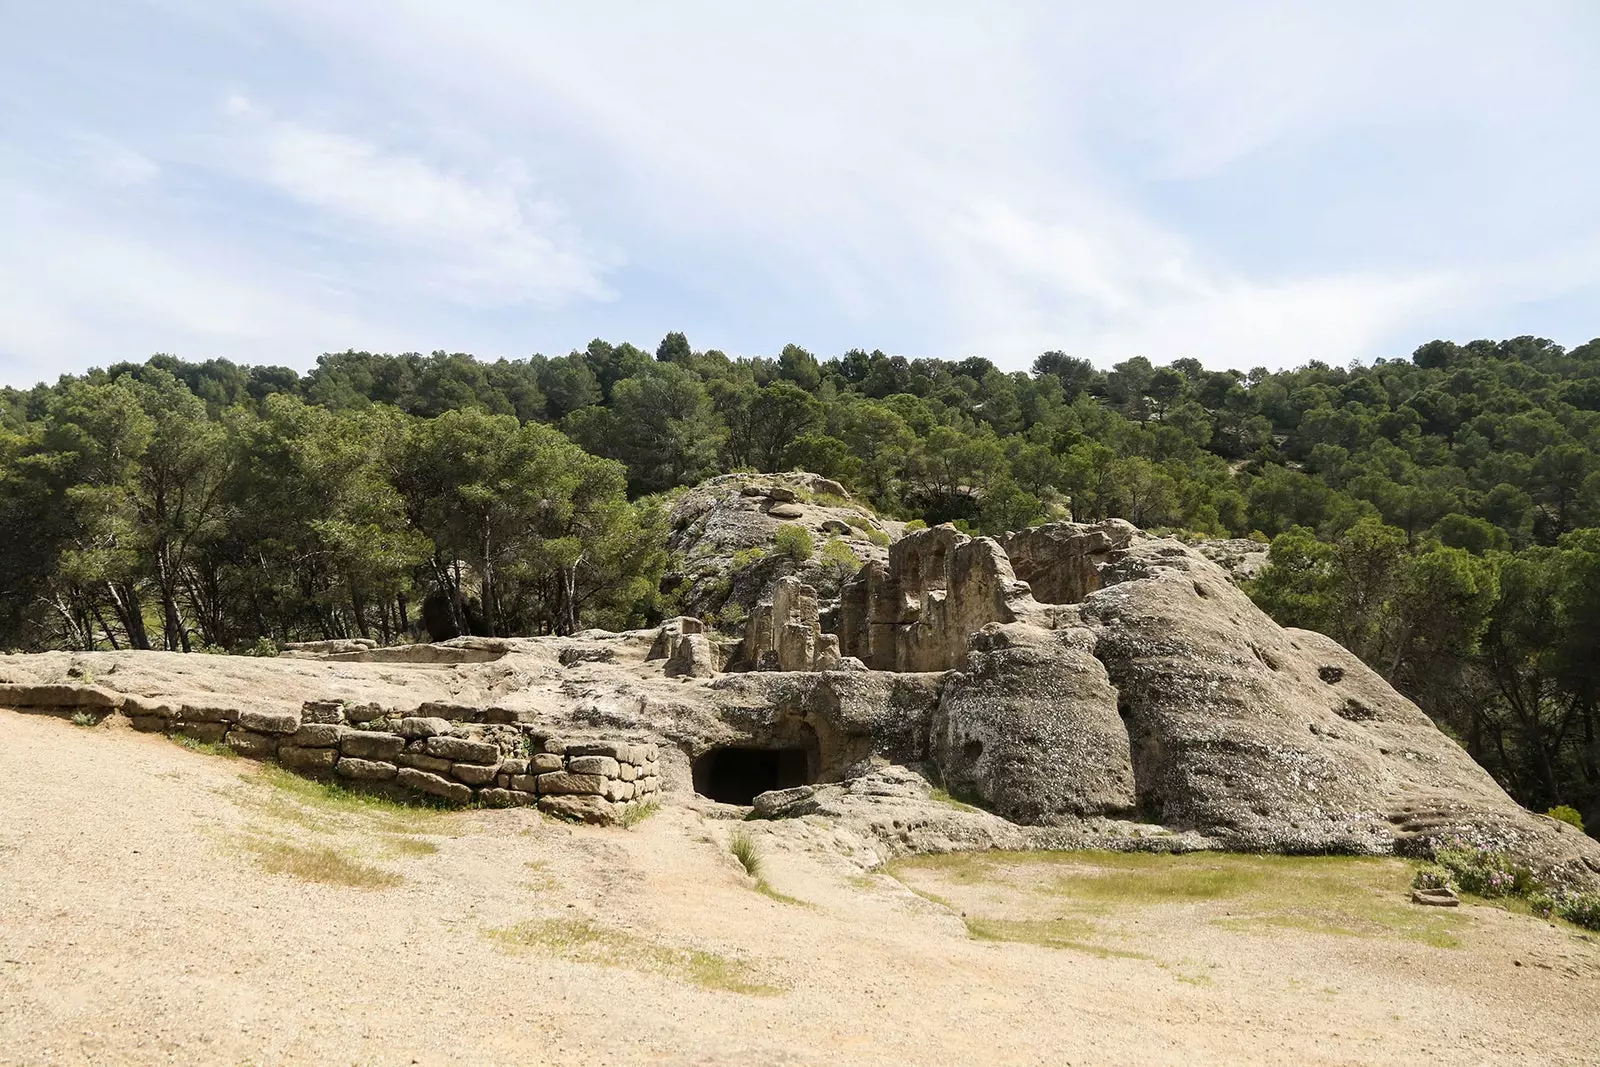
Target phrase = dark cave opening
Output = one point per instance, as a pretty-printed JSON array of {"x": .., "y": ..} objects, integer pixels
[{"x": 734, "y": 774}]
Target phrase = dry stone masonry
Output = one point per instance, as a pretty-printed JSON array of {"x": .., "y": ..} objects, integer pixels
[{"x": 452, "y": 753}]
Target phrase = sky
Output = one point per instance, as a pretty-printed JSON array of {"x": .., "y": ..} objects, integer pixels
[{"x": 1248, "y": 184}]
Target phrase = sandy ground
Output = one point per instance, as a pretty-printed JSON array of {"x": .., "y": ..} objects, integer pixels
[{"x": 139, "y": 925}]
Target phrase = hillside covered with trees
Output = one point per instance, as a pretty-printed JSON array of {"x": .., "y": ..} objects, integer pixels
[{"x": 1440, "y": 516}]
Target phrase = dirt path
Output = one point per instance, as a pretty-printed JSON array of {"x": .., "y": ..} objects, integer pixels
[{"x": 140, "y": 923}]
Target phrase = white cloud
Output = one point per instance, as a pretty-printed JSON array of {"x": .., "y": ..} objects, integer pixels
[{"x": 478, "y": 238}]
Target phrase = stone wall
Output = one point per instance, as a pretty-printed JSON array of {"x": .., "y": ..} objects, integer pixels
[{"x": 456, "y": 754}]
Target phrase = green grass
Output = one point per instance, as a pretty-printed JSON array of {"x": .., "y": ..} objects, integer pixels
[
  {"x": 318, "y": 863},
  {"x": 581, "y": 941},
  {"x": 1048, "y": 933},
  {"x": 749, "y": 856},
  {"x": 942, "y": 796},
  {"x": 333, "y": 798},
  {"x": 634, "y": 814},
  {"x": 1330, "y": 895},
  {"x": 84, "y": 718},
  {"x": 207, "y": 747},
  {"x": 744, "y": 850}
]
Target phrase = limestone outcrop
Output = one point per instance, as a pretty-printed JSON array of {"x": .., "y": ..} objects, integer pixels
[{"x": 1087, "y": 685}]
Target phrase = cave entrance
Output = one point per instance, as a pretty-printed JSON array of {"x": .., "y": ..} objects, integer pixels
[{"x": 735, "y": 774}]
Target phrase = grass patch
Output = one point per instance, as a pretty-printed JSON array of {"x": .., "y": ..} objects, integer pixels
[
  {"x": 1331, "y": 895},
  {"x": 408, "y": 846},
  {"x": 943, "y": 796},
  {"x": 634, "y": 814},
  {"x": 580, "y": 941},
  {"x": 335, "y": 799},
  {"x": 208, "y": 747},
  {"x": 84, "y": 718},
  {"x": 1047, "y": 933},
  {"x": 319, "y": 863}
]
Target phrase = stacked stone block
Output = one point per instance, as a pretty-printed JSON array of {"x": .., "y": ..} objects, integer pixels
[{"x": 458, "y": 754}]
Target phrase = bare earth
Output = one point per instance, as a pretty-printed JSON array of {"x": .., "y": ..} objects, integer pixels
[{"x": 141, "y": 922}]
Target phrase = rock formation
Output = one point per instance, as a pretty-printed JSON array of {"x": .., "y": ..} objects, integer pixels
[{"x": 1089, "y": 685}]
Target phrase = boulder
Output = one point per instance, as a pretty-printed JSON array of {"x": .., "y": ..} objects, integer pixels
[
  {"x": 784, "y": 803},
  {"x": 316, "y": 735},
  {"x": 837, "y": 527},
  {"x": 787, "y": 511},
  {"x": 782, "y": 494}
]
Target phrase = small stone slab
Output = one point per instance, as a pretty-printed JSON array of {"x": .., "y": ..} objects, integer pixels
[
  {"x": 252, "y": 744},
  {"x": 561, "y": 782},
  {"x": 1436, "y": 898},
  {"x": 150, "y": 724},
  {"x": 545, "y": 762},
  {"x": 365, "y": 744},
  {"x": 461, "y": 748},
  {"x": 29, "y": 695},
  {"x": 433, "y": 785},
  {"x": 589, "y": 809},
  {"x": 782, "y": 495},
  {"x": 614, "y": 749},
  {"x": 207, "y": 733},
  {"x": 365, "y": 770},
  {"x": 322, "y": 711},
  {"x": 506, "y": 798},
  {"x": 604, "y": 766},
  {"x": 474, "y": 773},
  {"x": 315, "y": 735},
  {"x": 270, "y": 720},
  {"x": 431, "y": 764},
  {"x": 787, "y": 511},
  {"x": 307, "y": 759},
  {"x": 779, "y": 803}
]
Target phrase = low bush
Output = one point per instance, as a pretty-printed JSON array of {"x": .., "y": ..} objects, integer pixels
[
  {"x": 748, "y": 557},
  {"x": 793, "y": 542},
  {"x": 1566, "y": 814},
  {"x": 1484, "y": 873},
  {"x": 1580, "y": 909},
  {"x": 914, "y": 525},
  {"x": 1432, "y": 877}
]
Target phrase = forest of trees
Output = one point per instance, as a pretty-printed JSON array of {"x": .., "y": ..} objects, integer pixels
[{"x": 1439, "y": 515}]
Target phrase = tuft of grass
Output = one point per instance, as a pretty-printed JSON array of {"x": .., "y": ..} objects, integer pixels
[
  {"x": 319, "y": 863},
  {"x": 84, "y": 718},
  {"x": 207, "y": 747},
  {"x": 336, "y": 799},
  {"x": 581, "y": 941},
  {"x": 745, "y": 851},
  {"x": 634, "y": 814}
]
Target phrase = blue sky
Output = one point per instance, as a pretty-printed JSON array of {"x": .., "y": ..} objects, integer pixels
[{"x": 1244, "y": 183}]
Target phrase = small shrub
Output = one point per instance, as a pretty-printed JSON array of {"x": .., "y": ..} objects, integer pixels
[
  {"x": 733, "y": 616},
  {"x": 83, "y": 718},
  {"x": 1580, "y": 909},
  {"x": 793, "y": 542},
  {"x": 1566, "y": 814},
  {"x": 877, "y": 537},
  {"x": 1432, "y": 877},
  {"x": 265, "y": 647},
  {"x": 1487, "y": 874},
  {"x": 748, "y": 557},
  {"x": 914, "y": 525},
  {"x": 1542, "y": 904}
]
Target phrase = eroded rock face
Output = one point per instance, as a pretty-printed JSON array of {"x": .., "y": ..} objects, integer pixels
[{"x": 1032, "y": 727}]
